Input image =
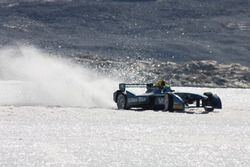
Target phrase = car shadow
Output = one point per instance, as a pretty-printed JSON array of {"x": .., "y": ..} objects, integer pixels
[{"x": 178, "y": 112}]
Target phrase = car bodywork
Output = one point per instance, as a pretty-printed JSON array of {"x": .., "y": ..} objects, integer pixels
[{"x": 164, "y": 99}]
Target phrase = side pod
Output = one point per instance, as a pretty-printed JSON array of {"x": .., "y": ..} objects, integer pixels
[
  {"x": 174, "y": 102},
  {"x": 178, "y": 103}
]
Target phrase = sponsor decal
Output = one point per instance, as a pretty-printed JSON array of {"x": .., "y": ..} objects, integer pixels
[
  {"x": 142, "y": 99},
  {"x": 132, "y": 100},
  {"x": 178, "y": 106},
  {"x": 137, "y": 100},
  {"x": 160, "y": 100}
]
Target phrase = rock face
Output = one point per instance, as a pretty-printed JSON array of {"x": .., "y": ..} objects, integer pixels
[
  {"x": 194, "y": 73},
  {"x": 210, "y": 73},
  {"x": 191, "y": 43},
  {"x": 167, "y": 30}
]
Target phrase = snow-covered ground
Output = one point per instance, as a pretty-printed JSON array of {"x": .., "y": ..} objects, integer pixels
[
  {"x": 39, "y": 128},
  {"x": 78, "y": 136}
]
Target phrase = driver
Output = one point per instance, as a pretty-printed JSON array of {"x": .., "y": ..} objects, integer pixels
[{"x": 163, "y": 85}]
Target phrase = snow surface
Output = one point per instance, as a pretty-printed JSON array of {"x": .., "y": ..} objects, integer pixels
[
  {"x": 80, "y": 136},
  {"x": 40, "y": 127}
]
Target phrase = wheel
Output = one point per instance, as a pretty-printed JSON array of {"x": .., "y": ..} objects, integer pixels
[
  {"x": 209, "y": 109},
  {"x": 208, "y": 102},
  {"x": 121, "y": 102},
  {"x": 169, "y": 103},
  {"x": 166, "y": 102},
  {"x": 208, "y": 94}
]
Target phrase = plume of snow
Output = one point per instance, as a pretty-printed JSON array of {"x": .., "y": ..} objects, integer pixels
[{"x": 29, "y": 76}]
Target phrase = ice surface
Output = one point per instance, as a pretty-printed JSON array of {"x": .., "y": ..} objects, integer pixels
[{"x": 71, "y": 136}]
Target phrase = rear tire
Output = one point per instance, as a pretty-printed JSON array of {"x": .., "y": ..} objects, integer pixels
[
  {"x": 169, "y": 103},
  {"x": 121, "y": 102}
]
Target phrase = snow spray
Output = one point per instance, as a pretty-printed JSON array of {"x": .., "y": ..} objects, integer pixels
[{"x": 29, "y": 76}]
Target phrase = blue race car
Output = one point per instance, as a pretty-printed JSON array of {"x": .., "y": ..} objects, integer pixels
[{"x": 166, "y": 99}]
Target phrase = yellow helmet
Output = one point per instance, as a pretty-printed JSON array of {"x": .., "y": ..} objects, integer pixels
[{"x": 161, "y": 83}]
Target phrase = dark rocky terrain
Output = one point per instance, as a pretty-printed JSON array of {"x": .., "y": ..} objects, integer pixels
[
  {"x": 202, "y": 39},
  {"x": 192, "y": 73}
]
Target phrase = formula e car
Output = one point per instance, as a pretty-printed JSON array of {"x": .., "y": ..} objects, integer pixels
[{"x": 166, "y": 99}]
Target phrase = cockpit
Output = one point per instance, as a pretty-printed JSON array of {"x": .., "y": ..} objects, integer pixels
[{"x": 157, "y": 90}]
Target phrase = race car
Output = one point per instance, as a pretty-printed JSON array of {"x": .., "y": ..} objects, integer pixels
[{"x": 166, "y": 99}]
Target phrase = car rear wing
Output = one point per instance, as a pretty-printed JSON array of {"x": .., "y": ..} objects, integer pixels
[{"x": 124, "y": 86}]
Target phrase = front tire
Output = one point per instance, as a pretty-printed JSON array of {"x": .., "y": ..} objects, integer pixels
[
  {"x": 208, "y": 94},
  {"x": 121, "y": 102},
  {"x": 209, "y": 109}
]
